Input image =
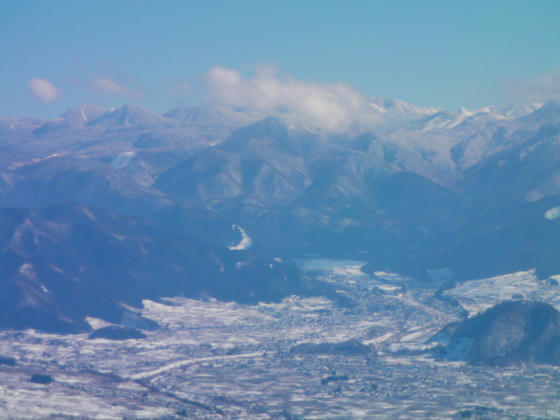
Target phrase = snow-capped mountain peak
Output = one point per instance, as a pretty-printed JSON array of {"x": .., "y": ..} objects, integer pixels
[{"x": 400, "y": 109}]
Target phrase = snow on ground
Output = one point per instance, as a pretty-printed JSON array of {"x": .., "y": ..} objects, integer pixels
[
  {"x": 478, "y": 295},
  {"x": 553, "y": 213},
  {"x": 237, "y": 357},
  {"x": 122, "y": 160},
  {"x": 245, "y": 241},
  {"x": 181, "y": 363}
]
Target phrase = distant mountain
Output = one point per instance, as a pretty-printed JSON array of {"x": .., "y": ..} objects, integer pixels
[
  {"x": 408, "y": 188},
  {"x": 297, "y": 192},
  {"x": 272, "y": 163},
  {"x": 262, "y": 162},
  {"x": 512, "y": 332},
  {"x": 466, "y": 135},
  {"x": 124, "y": 149},
  {"x": 499, "y": 132},
  {"x": 391, "y": 113},
  {"x": 73, "y": 119},
  {"x": 546, "y": 114},
  {"x": 129, "y": 116},
  {"x": 13, "y": 134},
  {"x": 500, "y": 218},
  {"x": 63, "y": 263},
  {"x": 64, "y": 179},
  {"x": 210, "y": 117},
  {"x": 17, "y": 126},
  {"x": 527, "y": 171}
]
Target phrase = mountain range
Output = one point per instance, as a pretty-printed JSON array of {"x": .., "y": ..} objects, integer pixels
[{"x": 416, "y": 190}]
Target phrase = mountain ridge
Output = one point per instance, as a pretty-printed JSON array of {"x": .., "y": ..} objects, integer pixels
[{"x": 473, "y": 194}]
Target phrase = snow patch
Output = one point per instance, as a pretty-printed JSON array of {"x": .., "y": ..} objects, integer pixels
[
  {"x": 97, "y": 323},
  {"x": 245, "y": 242},
  {"x": 88, "y": 214},
  {"x": 553, "y": 213},
  {"x": 352, "y": 270},
  {"x": 389, "y": 287},
  {"x": 478, "y": 295},
  {"x": 28, "y": 270},
  {"x": 122, "y": 160}
]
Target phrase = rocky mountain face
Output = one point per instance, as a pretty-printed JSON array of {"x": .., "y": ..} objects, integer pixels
[
  {"x": 512, "y": 332},
  {"x": 475, "y": 192}
]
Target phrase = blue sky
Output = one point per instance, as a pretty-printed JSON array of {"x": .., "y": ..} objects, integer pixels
[{"x": 158, "y": 54}]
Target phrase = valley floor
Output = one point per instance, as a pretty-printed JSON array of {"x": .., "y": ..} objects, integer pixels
[{"x": 213, "y": 359}]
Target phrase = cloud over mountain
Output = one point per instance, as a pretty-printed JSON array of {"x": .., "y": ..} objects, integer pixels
[
  {"x": 333, "y": 107},
  {"x": 541, "y": 89},
  {"x": 43, "y": 90}
]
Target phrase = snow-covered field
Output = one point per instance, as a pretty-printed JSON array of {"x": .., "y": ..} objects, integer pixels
[
  {"x": 212, "y": 359},
  {"x": 478, "y": 295}
]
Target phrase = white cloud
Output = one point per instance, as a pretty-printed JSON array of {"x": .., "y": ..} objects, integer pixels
[
  {"x": 332, "y": 107},
  {"x": 44, "y": 90},
  {"x": 107, "y": 85},
  {"x": 540, "y": 89}
]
